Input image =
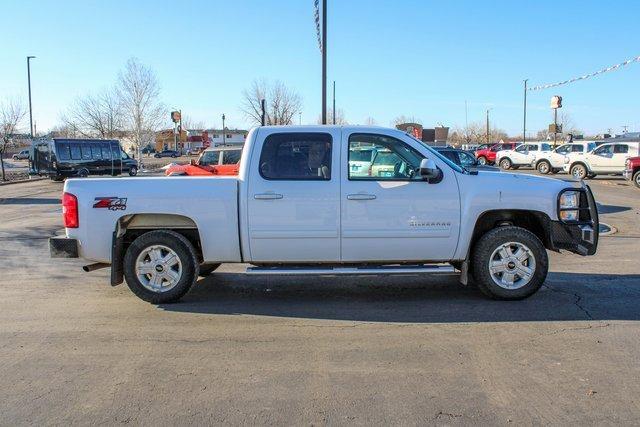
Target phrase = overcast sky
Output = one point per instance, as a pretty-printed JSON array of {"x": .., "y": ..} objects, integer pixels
[{"x": 389, "y": 58}]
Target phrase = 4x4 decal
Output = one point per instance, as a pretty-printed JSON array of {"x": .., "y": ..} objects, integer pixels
[{"x": 111, "y": 203}]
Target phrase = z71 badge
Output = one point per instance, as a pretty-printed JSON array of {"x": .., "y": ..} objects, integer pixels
[{"x": 111, "y": 203}]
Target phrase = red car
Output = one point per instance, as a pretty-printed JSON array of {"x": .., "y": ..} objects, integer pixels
[
  {"x": 212, "y": 161},
  {"x": 632, "y": 170},
  {"x": 487, "y": 156}
]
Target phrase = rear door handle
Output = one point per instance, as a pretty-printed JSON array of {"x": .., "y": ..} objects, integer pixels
[
  {"x": 267, "y": 196},
  {"x": 361, "y": 196}
]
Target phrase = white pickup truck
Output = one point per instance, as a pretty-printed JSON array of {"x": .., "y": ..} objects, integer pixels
[{"x": 297, "y": 208}]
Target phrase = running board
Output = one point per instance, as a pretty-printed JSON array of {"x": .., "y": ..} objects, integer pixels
[{"x": 399, "y": 269}]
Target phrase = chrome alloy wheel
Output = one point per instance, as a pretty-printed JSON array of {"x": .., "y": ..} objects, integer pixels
[
  {"x": 158, "y": 268},
  {"x": 512, "y": 265}
]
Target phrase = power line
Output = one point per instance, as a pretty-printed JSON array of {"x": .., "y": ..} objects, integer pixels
[{"x": 586, "y": 76}]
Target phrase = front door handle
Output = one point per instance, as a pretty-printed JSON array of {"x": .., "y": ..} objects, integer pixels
[
  {"x": 267, "y": 196},
  {"x": 361, "y": 196}
]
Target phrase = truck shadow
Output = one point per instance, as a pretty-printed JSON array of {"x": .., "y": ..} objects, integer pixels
[
  {"x": 610, "y": 209},
  {"x": 564, "y": 296}
]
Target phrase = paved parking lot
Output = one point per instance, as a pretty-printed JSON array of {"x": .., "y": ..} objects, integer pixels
[{"x": 267, "y": 350}]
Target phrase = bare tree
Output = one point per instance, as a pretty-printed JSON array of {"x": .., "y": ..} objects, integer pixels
[
  {"x": 340, "y": 119},
  {"x": 282, "y": 103},
  {"x": 96, "y": 115},
  {"x": 139, "y": 94},
  {"x": 190, "y": 124},
  {"x": 476, "y": 133},
  {"x": 12, "y": 112},
  {"x": 405, "y": 119}
]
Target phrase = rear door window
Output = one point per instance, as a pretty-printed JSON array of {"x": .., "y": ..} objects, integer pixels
[
  {"x": 296, "y": 156},
  {"x": 620, "y": 149},
  {"x": 96, "y": 152},
  {"x": 106, "y": 152}
]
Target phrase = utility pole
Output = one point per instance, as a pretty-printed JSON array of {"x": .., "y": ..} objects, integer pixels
[
  {"x": 224, "y": 134},
  {"x": 29, "y": 58},
  {"x": 300, "y": 117},
  {"x": 324, "y": 62},
  {"x": 466, "y": 123},
  {"x": 488, "y": 132},
  {"x": 263, "y": 113},
  {"x": 524, "y": 120},
  {"x": 334, "y": 102}
]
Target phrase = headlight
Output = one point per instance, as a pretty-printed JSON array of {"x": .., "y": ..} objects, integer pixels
[
  {"x": 569, "y": 199},
  {"x": 568, "y": 206}
]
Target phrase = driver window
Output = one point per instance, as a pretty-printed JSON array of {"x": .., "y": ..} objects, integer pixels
[
  {"x": 391, "y": 160},
  {"x": 563, "y": 150},
  {"x": 466, "y": 160},
  {"x": 521, "y": 148}
]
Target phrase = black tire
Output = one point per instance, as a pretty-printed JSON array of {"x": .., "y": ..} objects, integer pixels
[
  {"x": 636, "y": 179},
  {"x": 207, "y": 269},
  {"x": 182, "y": 248},
  {"x": 482, "y": 160},
  {"x": 544, "y": 167},
  {"x": 505, "y": 163},
  {"x": 133, "y": 171},
  {"x": 83, "y": 173},
  {"x": 492, "y": 241},
  {"x": 57, "y": 178},
  {"x": 579, "y": 171}
]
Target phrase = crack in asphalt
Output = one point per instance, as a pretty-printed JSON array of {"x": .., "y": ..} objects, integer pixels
[{"x": 577, "y": 297}]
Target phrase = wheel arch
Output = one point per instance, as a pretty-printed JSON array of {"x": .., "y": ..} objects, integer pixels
[
  {"x": 536, "y": 222},
  {"x": 130, "y": 227}
]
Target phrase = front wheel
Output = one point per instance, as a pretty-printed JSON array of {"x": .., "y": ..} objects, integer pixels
[
  {"x": 161, "y": 266},
  {"x": 509, "y": 263},
  {"x": 133, "y": 171},
  {"x": 505, "y": 164},
  {"x": 579, "y": 171},
  {"x": 482, "y": 160},
  {"x": 544, "y": 167}
]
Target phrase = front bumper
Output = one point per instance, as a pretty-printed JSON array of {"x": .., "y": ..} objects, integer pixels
[
  {"x": 580, "y": 237},
  {"x": 63, "y": 247}
]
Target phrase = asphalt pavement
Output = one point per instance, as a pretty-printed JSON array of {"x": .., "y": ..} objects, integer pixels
[{"x": 316, "y": 350}]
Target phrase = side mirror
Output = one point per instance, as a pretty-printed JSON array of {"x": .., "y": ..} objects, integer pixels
[{"x": 429, "y": 171}]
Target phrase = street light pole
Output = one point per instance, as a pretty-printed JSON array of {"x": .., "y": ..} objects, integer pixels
[
  {"x": 488, "y": 141},
  {"x": 334, "y": 102},
  {"x": 29, "y": 58},
  {"x": 324, "y": 62},
  {"x": 524, "y": 121},
  {"x": 224, "y": 135}
]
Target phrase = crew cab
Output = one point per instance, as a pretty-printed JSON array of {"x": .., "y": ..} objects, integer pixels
[
  {"x": 632, "y": 170},
  {"x": 522, "y": 155},
  {"x": 296, "y": 208},
  {"x": 554, "y": 161},
  {"x": 605, "y": 159},
  {"x": 487, "y": 156}
]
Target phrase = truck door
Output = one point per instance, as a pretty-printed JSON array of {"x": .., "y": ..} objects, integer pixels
[
  {"x": 601, "y": 159},
  {"x": 293, "y": 196},
  {"x": 392, "y": 214}
]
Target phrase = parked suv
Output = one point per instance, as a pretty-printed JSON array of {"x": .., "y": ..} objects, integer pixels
[
  {"x": 632, "y": 170},
  {"x": 487, "y": 156},
  {"x": 464, "y": 159},
  {"x": 167, "y": 153},
  {"x": 522, "y": 155},
  {"x": 553, "y": 161},
  {"x": 22, "y": 155},
  {"x": 606, "y": 159}
]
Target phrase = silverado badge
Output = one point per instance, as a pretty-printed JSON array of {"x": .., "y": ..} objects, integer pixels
[{"x": 111, "y": 203}]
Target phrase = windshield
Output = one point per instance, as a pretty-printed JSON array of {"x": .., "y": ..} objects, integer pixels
[{"x": 440, "y": 156}]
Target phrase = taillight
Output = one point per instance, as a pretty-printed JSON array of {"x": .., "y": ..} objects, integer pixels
[{"x": 70, "y": 210}]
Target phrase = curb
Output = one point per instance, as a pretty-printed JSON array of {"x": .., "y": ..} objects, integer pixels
[{"x": 21, "y": 181}]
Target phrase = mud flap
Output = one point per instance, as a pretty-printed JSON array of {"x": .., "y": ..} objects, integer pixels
[{"x": 117, "y": 245}]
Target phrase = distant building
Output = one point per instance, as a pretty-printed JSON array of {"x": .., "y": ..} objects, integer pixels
[{"x": 199, "y": 138}]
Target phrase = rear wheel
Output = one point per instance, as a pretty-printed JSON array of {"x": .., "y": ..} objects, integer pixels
[
  {"x": 509, "y": 263},
  {"x": 482, "y": 160},
  {"x": 161, "y": 266},
  {"x": 579, "y": 171},
  {"x": 636, "y": 179},
  {"x": 505, "y": 164},
  {"x": 544, "y": 167}
]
